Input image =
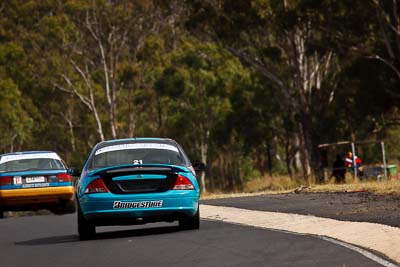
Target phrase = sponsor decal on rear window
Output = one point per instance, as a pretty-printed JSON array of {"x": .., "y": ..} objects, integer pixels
[
  {"x": 35, "y": 185},
  {"x": 137, "y": 205},
  {"x": 136, "y": 146},
  {"x": 29, "y": 156}
]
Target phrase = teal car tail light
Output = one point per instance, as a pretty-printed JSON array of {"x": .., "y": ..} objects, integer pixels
[
  {"x": 64, "y": 177},
  {"x": 182, "y": 183},
  {"x": 6, "y": 180},
  {"x": 96, "y": 186}
]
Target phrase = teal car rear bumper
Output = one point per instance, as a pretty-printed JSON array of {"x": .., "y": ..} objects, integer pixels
[{"x": 110, "y": 209}]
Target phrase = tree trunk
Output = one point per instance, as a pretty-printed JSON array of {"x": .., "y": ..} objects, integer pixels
[
  {"x": 305, "y": 144},
  {"x": 269, "y": 159},
  {"x": 203, "y": 153}
]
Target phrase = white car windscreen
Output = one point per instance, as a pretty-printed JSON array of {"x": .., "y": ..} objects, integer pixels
[{"x": 34, "y": 161}]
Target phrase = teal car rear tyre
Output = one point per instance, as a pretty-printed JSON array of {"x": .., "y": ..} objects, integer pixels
[
  {"x": 86, "y": 229},
  {"x": 190, "y": 223}
]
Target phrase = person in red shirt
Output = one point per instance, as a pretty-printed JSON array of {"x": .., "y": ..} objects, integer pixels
[{"x": 349, "y": 163}]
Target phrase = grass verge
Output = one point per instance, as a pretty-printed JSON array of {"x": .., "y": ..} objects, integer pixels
[{"x": 285, "y": 184}]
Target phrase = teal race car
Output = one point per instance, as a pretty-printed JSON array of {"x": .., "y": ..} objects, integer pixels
[{"x": 137, "y": 181}]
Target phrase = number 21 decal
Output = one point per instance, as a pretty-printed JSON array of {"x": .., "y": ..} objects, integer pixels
[{"x": 138, "y": 161}]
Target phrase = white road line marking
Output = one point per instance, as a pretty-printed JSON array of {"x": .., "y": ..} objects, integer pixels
[
  {"x": 377, "y": 237},
  {"x": 363, "y": 252}
]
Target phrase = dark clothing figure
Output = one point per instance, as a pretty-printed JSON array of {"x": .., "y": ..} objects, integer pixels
[{"x": 339, "y": 169}]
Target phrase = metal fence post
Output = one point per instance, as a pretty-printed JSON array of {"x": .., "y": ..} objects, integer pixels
[
  {"x": 384, "y": 159},
  {"x": 353, "y": 149}
]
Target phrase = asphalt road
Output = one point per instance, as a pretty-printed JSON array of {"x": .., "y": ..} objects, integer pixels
[{"x": 50, "y": 240}]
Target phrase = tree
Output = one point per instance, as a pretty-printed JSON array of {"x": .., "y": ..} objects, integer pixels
[
  {"x": 388, "y": 20},
  {"x": 293, "y": 44},
  {"x": 195, "y": 91},
  {"x": 117, "y": 31},
  {"x": 17, "y": 112},
  {"x": 16, "y": 124}
]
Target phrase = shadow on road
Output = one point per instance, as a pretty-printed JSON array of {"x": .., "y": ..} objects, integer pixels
[
  {"x": 49, "y": 240},
  {"x": 138, "y": 232},
  {"x": 99, "y": 236}
]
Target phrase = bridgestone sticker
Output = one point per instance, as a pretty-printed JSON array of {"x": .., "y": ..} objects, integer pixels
[{"x": 137, "y": 205}]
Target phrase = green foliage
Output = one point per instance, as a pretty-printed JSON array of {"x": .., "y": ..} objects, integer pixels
[
  {"x": 196, "y": 87},
  {"x": 15, "y": 122},
  {"x": 222, "y": 78}
]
